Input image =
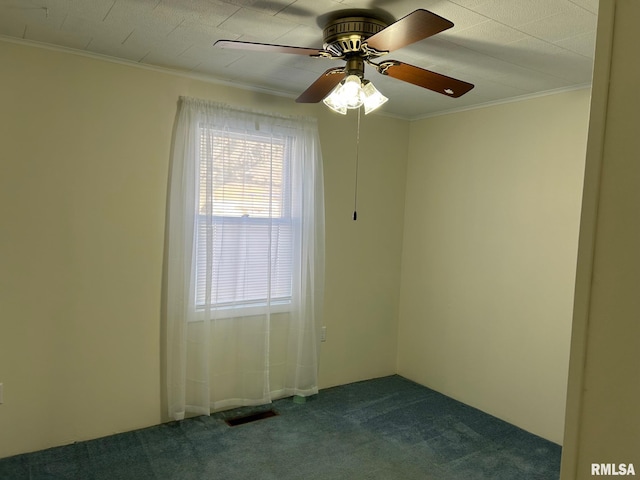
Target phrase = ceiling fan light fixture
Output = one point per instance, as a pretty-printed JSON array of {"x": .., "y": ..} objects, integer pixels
[{"x": 353, "y": 93}]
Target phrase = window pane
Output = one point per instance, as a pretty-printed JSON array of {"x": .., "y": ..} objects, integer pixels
[
  {"x": 244, "y": 239},
  {"x": 242, "y": 174}
]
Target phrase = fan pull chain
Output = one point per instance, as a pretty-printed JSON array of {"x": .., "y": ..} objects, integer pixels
[{"x": 355, "y": 195}]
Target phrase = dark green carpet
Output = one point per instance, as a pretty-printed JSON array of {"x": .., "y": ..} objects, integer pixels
[{"x": 387, "y": 428}]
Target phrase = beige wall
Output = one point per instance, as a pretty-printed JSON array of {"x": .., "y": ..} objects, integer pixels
[
  {"x": 84, "y": 154},
  {"x": 603, "y": 407},
  {"x": 490, "y": 242},
  {"x": 362, "y": 286}
]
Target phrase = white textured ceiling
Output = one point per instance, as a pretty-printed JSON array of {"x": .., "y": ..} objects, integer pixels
[{"x": 507, "y": 48}]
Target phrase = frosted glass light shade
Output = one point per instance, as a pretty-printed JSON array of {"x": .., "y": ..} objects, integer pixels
[
  {"x": 334, "y": 101},
  {"x": 372, "y": 98},
  {"x": 352, "y": 92}
]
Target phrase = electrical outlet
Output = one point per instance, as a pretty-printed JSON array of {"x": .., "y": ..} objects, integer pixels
[{"x": 323, "y": 334}]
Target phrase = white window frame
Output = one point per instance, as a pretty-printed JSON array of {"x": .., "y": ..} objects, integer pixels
[{"x": 249, "y": 307}]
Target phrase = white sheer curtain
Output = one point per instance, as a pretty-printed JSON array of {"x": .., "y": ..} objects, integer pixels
[{"x": 245, "y": 258}]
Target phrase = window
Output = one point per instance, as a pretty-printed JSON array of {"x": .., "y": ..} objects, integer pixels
[{"x": 244, "y": 240}]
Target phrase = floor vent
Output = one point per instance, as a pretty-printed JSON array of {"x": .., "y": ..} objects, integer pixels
[{"x": 252, "y": 417}]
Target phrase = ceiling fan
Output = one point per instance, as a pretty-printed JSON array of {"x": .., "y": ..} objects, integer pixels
[{"x": 359, "y": 39}]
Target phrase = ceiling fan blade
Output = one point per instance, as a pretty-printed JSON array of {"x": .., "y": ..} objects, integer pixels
[
  {"x": 322, "y": 86},
  {"x": 418, "y": 25},
  {"x": 424, "y": 78},
  {"x": 268, "y": 47}
]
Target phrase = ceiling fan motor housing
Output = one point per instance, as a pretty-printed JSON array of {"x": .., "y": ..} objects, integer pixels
[{"x": 346, "y": 35}]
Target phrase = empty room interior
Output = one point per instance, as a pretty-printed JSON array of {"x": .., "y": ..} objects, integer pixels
[{"x": 493, "y": 255}]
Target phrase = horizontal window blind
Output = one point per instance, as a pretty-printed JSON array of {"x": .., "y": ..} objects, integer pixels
[{"x": 244, "y": 226}]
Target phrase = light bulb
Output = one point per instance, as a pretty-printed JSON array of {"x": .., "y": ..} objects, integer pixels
[{"x": 352, "y": 92}]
